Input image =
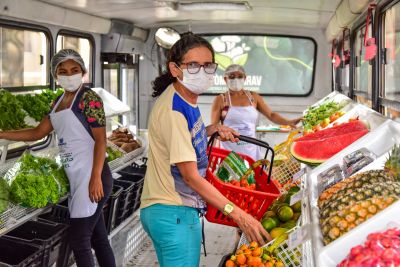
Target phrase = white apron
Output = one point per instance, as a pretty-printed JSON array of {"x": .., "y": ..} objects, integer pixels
[
  {"x": 76, "y": 152},
  {"x": 243, "y": 120}
]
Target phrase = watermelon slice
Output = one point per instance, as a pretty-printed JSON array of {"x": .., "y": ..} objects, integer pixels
[
  {"x": 343, "y": 128},
  {"x": 319, "y": 150}
]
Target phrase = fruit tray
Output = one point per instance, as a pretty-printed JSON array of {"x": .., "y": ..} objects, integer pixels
[
  {"x": 290, "y": 257},
  {"x": 379, "y": 142}
]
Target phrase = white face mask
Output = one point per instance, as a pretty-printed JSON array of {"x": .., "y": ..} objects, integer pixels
[
  {"x": 197, "y": 83},
  {"x": 236, "y": 84},
  {"x": 70, "y": 83}
]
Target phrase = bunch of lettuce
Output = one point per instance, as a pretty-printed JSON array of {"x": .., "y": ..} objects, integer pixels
[
  {"x": 35, "y": 181},
  {"x": 38, "y": 105},
  {"x": 12, "y": 116},
  {"x": 4, "y": 195}
]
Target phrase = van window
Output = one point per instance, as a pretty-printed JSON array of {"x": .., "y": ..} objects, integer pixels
[
  {"x": 275, "y": 65},
  {"x": 391, "y": 40},
  {"x": 363, "y": 71},
  {"x": 24, "y": 58},
  {"x": 83, "y": 46}
]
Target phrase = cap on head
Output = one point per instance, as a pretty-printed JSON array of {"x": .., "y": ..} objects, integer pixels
[
  {"x": 64, "y": 55},
  {"x": 234, "y": 68}
]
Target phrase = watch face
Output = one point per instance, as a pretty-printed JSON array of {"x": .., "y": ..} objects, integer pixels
[{"x": 228, "y": 208}]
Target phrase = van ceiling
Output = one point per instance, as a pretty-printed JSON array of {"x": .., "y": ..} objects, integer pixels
[{"x": 148, "y": 13}]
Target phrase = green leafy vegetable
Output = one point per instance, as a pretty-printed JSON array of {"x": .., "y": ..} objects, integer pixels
[
  {"x": 4, "y": 195},
  {"x": 37, "y": 182},
  {"x": 12, "y": 117},
  {"x": 316, "y": 115}
]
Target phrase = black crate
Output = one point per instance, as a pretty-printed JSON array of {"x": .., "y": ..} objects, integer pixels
[
  {"x": 59, "y": 214},
  {"x": 223, "y": 260},
  {"x": 134, "y": 169},
  {"x": 138, "y": 185},
  {"x": 110, "y": 208},
  {"x": 125, "y": 200},
  {"x": 48, "y": 236},
  {"x": 17, "y": 254}
]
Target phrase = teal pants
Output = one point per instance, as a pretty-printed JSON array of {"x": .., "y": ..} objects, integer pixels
[{"x": 175, "y": 232}]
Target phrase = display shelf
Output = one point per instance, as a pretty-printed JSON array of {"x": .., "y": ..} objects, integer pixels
[{"x": 17, "y": 215}]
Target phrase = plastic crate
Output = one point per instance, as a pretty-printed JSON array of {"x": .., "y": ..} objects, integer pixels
[
  {"x": 58, "y": 214},
  {"x": 17, "y": 254},
  {"x": 48, "y": 236},
  {"x": 135, "y": 169},
  {"x": 223, "y": 260},
  {"x": 110, "y": 208},
  {"x": 138, "y": 180},
  {"x": 254, "y": 202},
  {"x": 125, "y": 199}
]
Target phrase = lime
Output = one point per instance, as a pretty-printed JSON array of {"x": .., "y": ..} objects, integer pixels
[
  {"x": 294, "y": 189},
  {"x": 289, "y": 224},
  {"x": 296, "y": 206},
  {"x": 268, "y": 224},
  {"x": 285, "y": 213},
  {"x": 277, "y": 232},
  {"x": 277, "y": 221},
  {"x": 269, "y": 214}
]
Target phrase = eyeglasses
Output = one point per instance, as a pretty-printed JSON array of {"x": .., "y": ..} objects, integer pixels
[
  {"x": 233, "y": 76},
  {"x": 194, "y": 67}
]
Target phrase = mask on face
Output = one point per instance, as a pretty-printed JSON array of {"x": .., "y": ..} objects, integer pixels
[
  {"x": 70, "y": 83},
  {"x": 236, "y": 84},
  {"x": 197, "y": 83}
]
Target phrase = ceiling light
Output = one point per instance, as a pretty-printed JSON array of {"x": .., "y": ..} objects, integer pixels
[{"x": 197, "y": 6}]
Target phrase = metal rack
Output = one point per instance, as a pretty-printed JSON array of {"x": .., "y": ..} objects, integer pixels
[{"x": 16, "y": 215}]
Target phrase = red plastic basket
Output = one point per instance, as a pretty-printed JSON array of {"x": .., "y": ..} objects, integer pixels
[{"x": 254, "y": 202}]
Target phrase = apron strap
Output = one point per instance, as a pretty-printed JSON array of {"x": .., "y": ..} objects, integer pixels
[{"x": 250, "y": 97}]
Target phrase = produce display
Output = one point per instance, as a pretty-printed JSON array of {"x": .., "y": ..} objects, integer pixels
[
  {"x": 35, "y": 181},
  {"x": 122, "y": 138},
  {"x": 12, "y": 117},
  {"x": 38, "y": 105},
  {"x": 318, "y": 117},
  {"x": 15, "y": 108},
  {"x": 4, "y": 195},
  {"x": 315, "y": 148},
  {"x": 381, "y": 249},
  {"x": 281, "y": 217},
  {"x": 113, "y": 154},
  {"x": 255, "y": 256},
  {"x": 285, "y": 166},
  {"x": 354, "y": 200}
]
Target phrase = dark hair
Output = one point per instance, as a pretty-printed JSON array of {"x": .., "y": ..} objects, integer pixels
[{"x": 176, "y": 53}]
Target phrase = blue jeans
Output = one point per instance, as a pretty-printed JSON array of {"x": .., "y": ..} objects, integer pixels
[{"x": 175, "y": 232}]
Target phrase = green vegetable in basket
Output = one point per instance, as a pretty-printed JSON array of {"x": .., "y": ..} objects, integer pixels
[
  {"x": 12, "y": 117},
  {"x": 4, "y": 195},
  {"x": 233, "y": 168}
]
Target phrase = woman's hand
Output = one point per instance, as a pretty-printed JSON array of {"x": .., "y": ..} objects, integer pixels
[
  {"x": 225, "y": 133},
  {"x": 250, "y": 226},
  {"x": 294, "y": 122},
  {"x": 96, "y": 192}
]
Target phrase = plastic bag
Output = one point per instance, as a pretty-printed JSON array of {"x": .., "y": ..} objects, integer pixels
[
  {"x": 36, "y": 181},
  {"x": 233, "y": 168}
]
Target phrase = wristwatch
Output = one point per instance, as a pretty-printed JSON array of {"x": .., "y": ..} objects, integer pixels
[{"x": 228, "y": 209}]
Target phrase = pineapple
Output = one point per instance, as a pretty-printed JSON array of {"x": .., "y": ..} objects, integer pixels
[
  {"x": 351, "y": 196},
  {"x": 347, "y": 218},
  {"x": 392, "y": 164},
  {"x": 353, "y": 182}
]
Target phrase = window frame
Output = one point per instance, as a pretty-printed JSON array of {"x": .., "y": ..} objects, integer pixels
[
  {"x": 353, "y": 93},
  {"x": 37, "y": 28},
  {"x": 311, "y": 90},
  {"x": 382, "y": 101},
  {"x": 92, "y": 42}
]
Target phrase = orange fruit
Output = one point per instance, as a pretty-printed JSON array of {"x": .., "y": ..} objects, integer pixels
[
  {"x": 268, "y": 264},
  {"x": 253, "y": 245},
  {"x": 241, "y": 259},
  {"x": 244, "y": 247},
  {"x": 229, "y": 263},
  {"x": 257, "y": 252},
  {"x": 279, "y": 264},
  {"x": 247, "y": 252}
]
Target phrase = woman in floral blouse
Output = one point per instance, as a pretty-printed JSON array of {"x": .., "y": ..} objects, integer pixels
[{"x": 77, "y": 117}]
